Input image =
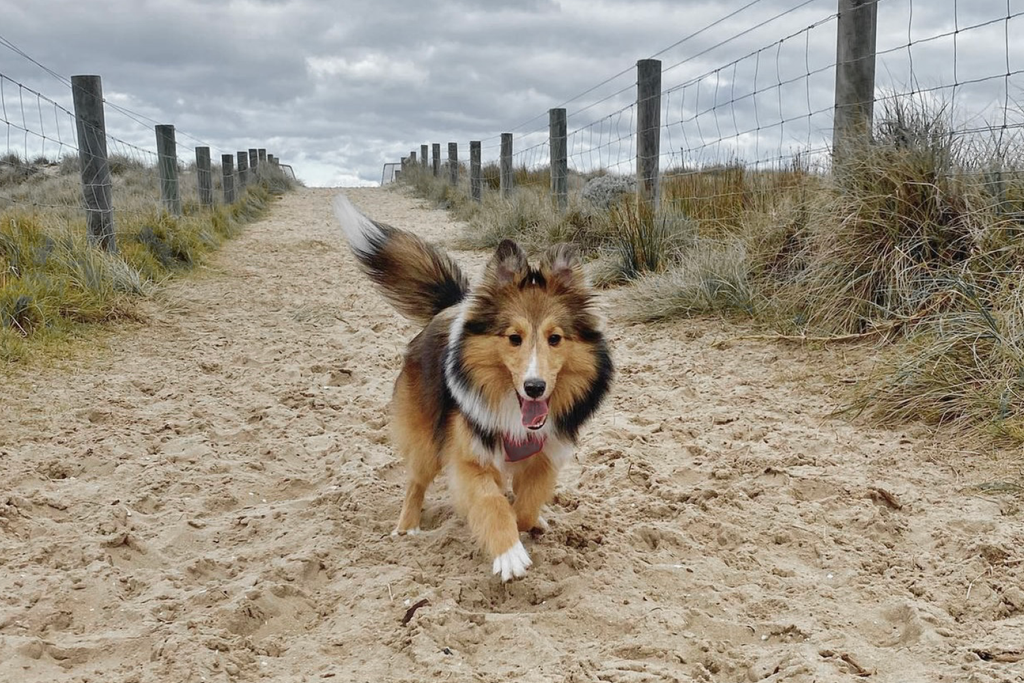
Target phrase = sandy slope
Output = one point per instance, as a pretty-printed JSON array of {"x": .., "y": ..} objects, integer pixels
[{"x": 210, "y": 500}]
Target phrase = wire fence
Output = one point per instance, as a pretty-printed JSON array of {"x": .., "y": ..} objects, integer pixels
[
  {"x": 738, "y": 108},
  {"x": 46, "y": 164},
  {"x": 763, "y": 96},
  {"x": 54, "y": 158},
  {"x": 969, "y": 66},
  {"x": 42, "y": 139},
  {"x": 50, "y": 134}
]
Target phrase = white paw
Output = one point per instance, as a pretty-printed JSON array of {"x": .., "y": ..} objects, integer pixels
[
  {"x": 411, "y": 532},
  {"x": 512, "y": 563}
]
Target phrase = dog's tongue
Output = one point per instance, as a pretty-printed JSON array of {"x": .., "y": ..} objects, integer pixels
[{"x": 534, "y": 413}]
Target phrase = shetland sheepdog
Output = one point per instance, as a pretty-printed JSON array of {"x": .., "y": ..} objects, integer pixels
[{"x": 497, "y": 384}]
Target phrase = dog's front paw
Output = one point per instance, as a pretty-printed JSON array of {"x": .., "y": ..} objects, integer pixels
[
  {"x": 512, "y": 563},
  {"x": 407, "y": 532}
]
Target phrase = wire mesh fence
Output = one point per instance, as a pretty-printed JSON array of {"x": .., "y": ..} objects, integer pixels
[
  {"x": 55, "y": 159},
  {"x": 754, "y": 93},
  {"x": 45, "y": 148}
]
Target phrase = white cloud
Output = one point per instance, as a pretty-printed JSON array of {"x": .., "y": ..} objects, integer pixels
[{"x": 376, "y": 68}]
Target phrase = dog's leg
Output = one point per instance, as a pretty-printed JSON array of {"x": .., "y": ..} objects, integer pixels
[
  {"x": 411, "y": 431},
  {"x": 533, "y": 484},
  {"x": 422, "y": 471},
  {"x": 490, "y": 517}
]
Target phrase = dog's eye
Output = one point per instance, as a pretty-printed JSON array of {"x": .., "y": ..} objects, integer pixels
[
  {"x": 515, "y": 339},
  {"x": 555, "y": 339}
]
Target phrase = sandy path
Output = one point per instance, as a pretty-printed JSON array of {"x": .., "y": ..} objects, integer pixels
[{"x": 210, "y": 500}]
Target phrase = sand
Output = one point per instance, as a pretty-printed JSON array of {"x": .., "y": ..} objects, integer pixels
[{"x": 208, "y": 496}]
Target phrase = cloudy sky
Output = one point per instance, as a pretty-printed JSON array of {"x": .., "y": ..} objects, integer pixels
[{"x": 337, "y": 89}]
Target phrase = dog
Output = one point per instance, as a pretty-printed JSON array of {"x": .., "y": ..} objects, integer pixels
[{"x": 497, "y": 384}]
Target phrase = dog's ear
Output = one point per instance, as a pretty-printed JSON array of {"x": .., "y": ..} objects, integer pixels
[
  {"x": 508, "y": 266},
  {"x": 561, "y": 265}
]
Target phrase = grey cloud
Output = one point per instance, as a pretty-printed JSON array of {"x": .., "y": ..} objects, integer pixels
[{"x": 342, "y": 87}]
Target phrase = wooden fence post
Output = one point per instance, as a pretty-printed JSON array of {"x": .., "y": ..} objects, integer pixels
[
  {"x": 855, "y": 74},
  {"x": 261, "y": 157},
  {"x": 227, "y": 167},
  {"x": 167, "y": 160},
  {"x": 412, "y": 159},
  {"x": 453, "y": 164},
  {"x": 243, "y": 170},
  {"x": 254, "y": 162},
  {"x": 648, "y": 131},
  {"x": 423, "y": 156},
  {"x": 435, "y": 152},
  {"x": 559, "y": 158},
  {"x": 97, "y": 192},
  {"x": 506, "y": 165},
  {"x": 475, "y": 175},
  {"x": 204, "y": 176}
]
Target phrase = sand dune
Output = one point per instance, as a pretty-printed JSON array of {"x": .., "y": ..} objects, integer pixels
[{"x": 208, "y": 498}]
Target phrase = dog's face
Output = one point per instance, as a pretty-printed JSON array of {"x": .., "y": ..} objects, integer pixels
[{"x": 532, "y": 329}]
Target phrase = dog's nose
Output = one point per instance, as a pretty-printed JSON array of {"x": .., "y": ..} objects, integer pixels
[{"x": 534, "y": 387}]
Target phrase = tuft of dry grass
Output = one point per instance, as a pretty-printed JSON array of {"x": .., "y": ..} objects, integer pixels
[
  {"x": 722, "y": 199},
  {"x": 490, "y": 174},
  {"x": 645, "y": 241},
  {"x": 539, "y": 177},
  {"x": 920, "y": 242},
  {"x": 14, "y": 171},
  {"x": 710, "y": 277},
  {"x": 524, "y": 218},
  {"x": 902, "y": 214},
  {"x": 271, "y": 178},
  {"x": 963, "y": 367}
]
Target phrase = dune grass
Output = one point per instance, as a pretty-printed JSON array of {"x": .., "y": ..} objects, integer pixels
[
  {"x": 54, "y": 283},
  {"x": 625, "y": 242},
  {"x": 914, "y": 242},
  {"x": 709, "y": 277},
  {"x": 962, "y": 367}
]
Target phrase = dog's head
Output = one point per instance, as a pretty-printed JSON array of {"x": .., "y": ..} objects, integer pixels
[{"x": 535, "y": 329}]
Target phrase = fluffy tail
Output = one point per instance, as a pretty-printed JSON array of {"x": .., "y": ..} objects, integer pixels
[{"x": 418, "y": 279}]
